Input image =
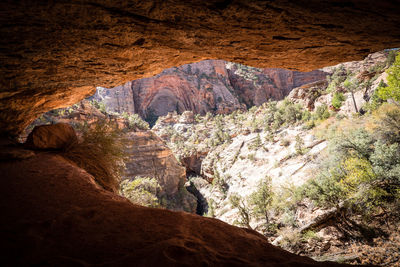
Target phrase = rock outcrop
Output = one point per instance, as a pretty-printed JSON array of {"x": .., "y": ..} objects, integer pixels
[
  {"x": 308, "y": 93},
  {"x": 56, "y": 136},
  {"x": 214, "y": 86},
  {"x": 256, "y": 86},
  {"x": 370, "y": 70},
  {"x": 150, "y": 157},
  {"x": 54, "y": 54}
]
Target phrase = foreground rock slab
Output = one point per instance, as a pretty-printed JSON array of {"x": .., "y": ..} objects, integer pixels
[{"x": 54, "y": 214}]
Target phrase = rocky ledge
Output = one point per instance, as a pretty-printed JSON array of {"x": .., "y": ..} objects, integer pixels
[{"x": 68, "y": 220}]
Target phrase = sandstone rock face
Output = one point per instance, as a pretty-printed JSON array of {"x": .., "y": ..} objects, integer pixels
[
  {"x": 54, "y": 136},
  {"x": 214, "y": 86},
  {"x": 256, "y": 86},
  {"x": 54, "y": 54},
  {"x": 199, "y": 87},
  {"x": 308, "y": 93},
  {"x": 150, "y": 157}
]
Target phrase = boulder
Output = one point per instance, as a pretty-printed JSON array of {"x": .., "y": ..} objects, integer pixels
[
  {"x": 187, "y": 117},
  {"x": 54, "y": 136}
]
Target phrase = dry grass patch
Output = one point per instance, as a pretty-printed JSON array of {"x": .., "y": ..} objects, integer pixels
[{"x": 100, "y": 152}]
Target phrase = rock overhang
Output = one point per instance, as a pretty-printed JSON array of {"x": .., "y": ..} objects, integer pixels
[{"x": 54, "y": 54}]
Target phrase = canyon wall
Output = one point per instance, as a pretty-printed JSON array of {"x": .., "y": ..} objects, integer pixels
[{"x": 214, "y": 86}]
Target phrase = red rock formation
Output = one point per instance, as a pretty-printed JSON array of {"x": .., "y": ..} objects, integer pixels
[
  {"x": 208, "y": 86},
  {"x": 201, "y": 87},
  {"x": 56, "y": 136},
  {"x": 150, "y": 157},
  {"x": 267, "y": 84},
  {"x": 54, "y": 214}
]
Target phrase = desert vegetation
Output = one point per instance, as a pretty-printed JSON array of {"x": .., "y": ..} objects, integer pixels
[
  {"x": 346, "y": 156},
  {"x": 100, "y": 152}
]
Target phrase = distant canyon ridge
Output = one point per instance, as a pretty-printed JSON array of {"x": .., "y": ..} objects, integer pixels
[{"x": 215, "y": 86}]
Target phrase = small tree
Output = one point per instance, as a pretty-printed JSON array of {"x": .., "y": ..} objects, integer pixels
[
  {"x": 244, "y": 212},
  {"x": 262, "y": 198},
  {"x": 337, "y": 100},
  {"x": 392, "y": 91},
  {"x": 352, "y": 84},
  {"x": 299, "y": 145}
]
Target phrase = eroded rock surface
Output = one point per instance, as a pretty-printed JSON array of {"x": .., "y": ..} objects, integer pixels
[
  {"x": 214, "y": 86},
  {"x": 150, "y": 157},
  {"x": 53, "y": 54},
  {"x": 57, "y": 136}
]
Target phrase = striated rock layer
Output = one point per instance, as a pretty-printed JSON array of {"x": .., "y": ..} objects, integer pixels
[
  {"x": 67, "y": 220},
  {"x": 150, "y": 157},
  {"x": 54, "y": 53},
  {"x": 214, "y": 86}
]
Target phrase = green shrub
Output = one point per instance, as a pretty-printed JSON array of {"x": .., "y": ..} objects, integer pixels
[
  {"x": 392, "y": 91},
  {"x": 211, "y": 208},
  {"x": 244, "y": 212},
  {"x": 337, "y": 100},
  {"x": 135, "y": 121},
  {"x": 309, "y": 125},
  {"x": 322, "y": 112},
  {"x": 310, "y": 235},
  {"x": 256, "y": 144},
  {"x": 142, "y": 191},
  {"x": 100, "y": 152},
  {"x": 251, "y": 156},
  {"x": 299, "y": 145},
  {"x": 285, "y": 142},
  {"x": 261, "y": 199},
  {"x": 100, "y": 105}
]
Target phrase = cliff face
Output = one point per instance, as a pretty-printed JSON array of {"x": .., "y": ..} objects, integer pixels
[
  {"x": 214, "y": 86},
  {"x": 256, "y": 86},
  {"x": 150, "y": 157}
]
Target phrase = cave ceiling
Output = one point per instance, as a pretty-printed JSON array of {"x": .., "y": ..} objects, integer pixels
[{"x": 54, "y": 53}]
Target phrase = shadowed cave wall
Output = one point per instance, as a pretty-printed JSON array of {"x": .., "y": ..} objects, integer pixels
[{"x": 54, "y": 53}]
